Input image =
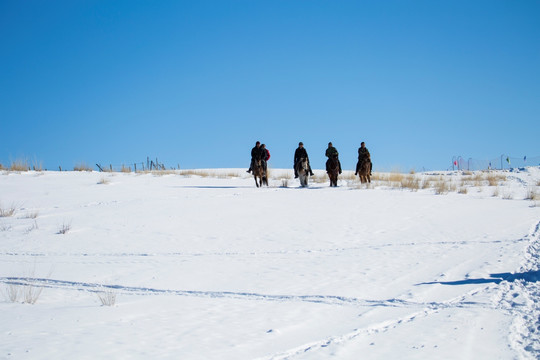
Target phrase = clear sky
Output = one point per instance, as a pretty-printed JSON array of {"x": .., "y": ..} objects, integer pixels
[{"x": 196, "y": 83}]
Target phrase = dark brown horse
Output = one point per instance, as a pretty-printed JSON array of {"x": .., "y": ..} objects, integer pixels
[
  {"x": 332, "y": 164},
  {"x": 259, "y": 173},
  {"x": 364, "y": 168}
]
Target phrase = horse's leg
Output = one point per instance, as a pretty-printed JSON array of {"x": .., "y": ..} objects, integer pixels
[{"x": 256, "y": 183}]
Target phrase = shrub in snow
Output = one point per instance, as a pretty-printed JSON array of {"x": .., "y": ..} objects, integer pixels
[{"x": 107, "y": 296}]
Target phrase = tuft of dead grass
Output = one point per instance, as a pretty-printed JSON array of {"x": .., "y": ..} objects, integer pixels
[
  {"x": 82, "y": 167},
  {"x": 19, "y": 165},
  {"x": 8, "y": 212},
  {"x": 104, "y": 181},
  {"x": 32, "y": 214},
  {"x": 125, "y": 169},
  {"x": 64, "y": 228},
  {"x": 410, "y": 182},
  {"x": 495, "y": 179},
  {"x": 532, "y": 194},
  {"x": 106, "y": 295},
  {"x": 441, "y": 187}
]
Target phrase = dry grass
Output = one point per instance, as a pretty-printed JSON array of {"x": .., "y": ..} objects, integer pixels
[
  {"x": 441, "y": 187},
  {"x": 26, "y": 293},
  {"x": 31, "y": 293},
  {"x": 64, "y": 229},
  {"x": 12, "y": 292},
  {"x": 463, "y": 190},
  {"x": 37, "y": 165},
  {"x": 320, "y": 178},
  {"x": 496, "y": 192},
  {"x": 507, "y": 196},
  {"x": 284, "y": 182},
  {"x": 410, "y": 182},
  {"x": 395, "y": 177},
  {"x": 104, "y": 181},
  {"x": 532, "y": 194},
  {"x": 427, "y": 183},
  {"x": 229, "y": 175},
  {"x": 19, "y": 165},
  {"x": 495, "y": 179},
  {"x": 106, "y": 295},
  {"x": 125, "y": 169},
  {"x": 7, "y": 212},
  {"x": 82, "y": 167},
  {"x": 32, "y": 214},
  {"x": 349, "y": 176}
]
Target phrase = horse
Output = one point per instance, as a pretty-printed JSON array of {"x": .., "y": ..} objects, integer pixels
[
  {"x": 364, "y": 168},
  {"x": 302, "y": 169},
  {"x": 332, "y": 165},
  {"x": 259, "y": 173}
]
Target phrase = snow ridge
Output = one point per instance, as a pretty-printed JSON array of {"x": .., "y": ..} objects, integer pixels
[{"x": 521, "y": 297}]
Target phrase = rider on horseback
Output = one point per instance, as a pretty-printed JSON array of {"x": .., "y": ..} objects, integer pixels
[
  {"x": 332, "y": 152},
  {"x": 298, "y": 155},
  {"x": 266, "y": 156},
  {"x": 363, "y": 155},
  {"x": 257, "y": 153}
]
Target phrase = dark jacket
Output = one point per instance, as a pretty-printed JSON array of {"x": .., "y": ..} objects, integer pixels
[
  {"x": 363, "y": 153},
  {"x": 300, "y": 153},
  {"x": 258, "y": 153},
  {"x": 331, "y": 151}
]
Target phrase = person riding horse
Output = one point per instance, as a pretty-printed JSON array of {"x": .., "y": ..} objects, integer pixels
[
  {"x": 363, "y": 155},
  {"x": 257, "y": 153},
  {"x": 332, "y": 152},
  {"x": 299, "y": 154}
]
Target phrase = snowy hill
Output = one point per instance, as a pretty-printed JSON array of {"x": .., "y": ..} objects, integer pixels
[{"x": 204, "y": 265}]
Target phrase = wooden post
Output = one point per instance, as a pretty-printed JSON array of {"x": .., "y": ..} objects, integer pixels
[{"x": 99, "y": 167}]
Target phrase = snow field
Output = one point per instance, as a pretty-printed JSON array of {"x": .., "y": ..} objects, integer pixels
[{"x": 214, "y": 268}]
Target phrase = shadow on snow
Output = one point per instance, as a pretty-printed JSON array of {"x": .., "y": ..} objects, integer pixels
[{"x": 528, "y": 276}]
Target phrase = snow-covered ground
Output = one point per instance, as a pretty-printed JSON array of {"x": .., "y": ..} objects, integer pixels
[{"x": 211, "y": 267}]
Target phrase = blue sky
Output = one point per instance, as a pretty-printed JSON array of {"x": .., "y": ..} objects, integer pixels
[{"x": 196, "y": 83}]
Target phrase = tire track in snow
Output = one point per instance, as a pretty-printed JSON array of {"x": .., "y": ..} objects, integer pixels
[
  {"x": 377, "y": 327},
  {"x": 320, "y": 299},
  {"x": 525, "y": 332},
  {"x": 251, "y": 253}
]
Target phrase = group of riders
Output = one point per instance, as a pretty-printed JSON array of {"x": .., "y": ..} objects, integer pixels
[{"x": 261, "y": 153}]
